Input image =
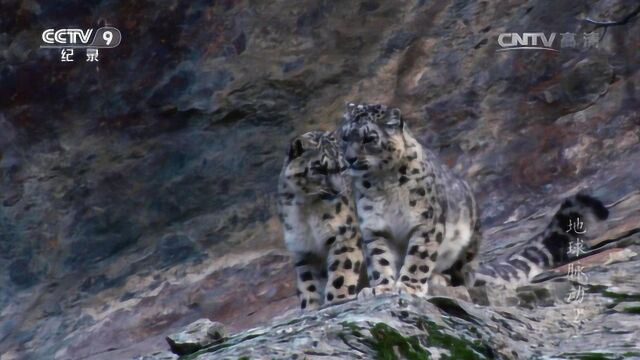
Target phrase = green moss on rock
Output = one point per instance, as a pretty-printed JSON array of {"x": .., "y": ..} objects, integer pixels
[
  {"x": 458, "y": 347},
  {"x": 621, "y": 296},
  {"x": 632, "y": 309},
  {"x": 388, "y": 342},
  {"x": 601, "y": 356}
]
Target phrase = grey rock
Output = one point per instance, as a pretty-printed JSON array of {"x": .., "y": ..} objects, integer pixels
[
  {"x": 195, "y": 336},
  {"x": 160, "y": 355},
  {"x": 175, "y": 248},
  {"x": 544, "y": 320},
  {"x": 632, "y": 307},
  {"x": 402, "y": 326}
]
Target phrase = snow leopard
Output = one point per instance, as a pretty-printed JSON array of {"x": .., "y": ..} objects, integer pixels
[
  {"x": 319, "y": 221},
  {"x": 419, "y": 221}
]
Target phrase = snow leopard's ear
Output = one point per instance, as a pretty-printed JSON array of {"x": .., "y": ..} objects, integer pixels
[
  {"x": 332, "y": 135},
  {"x": 394, "y": 119},
  {"x": 348, "y": 111},
  {"x": 296, "y": 148}
]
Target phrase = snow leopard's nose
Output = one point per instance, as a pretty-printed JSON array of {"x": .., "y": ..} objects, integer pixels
[{"x": 351, "y": 160}]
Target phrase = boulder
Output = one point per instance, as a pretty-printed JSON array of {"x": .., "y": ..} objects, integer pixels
[{"x": 195, "y": 336}]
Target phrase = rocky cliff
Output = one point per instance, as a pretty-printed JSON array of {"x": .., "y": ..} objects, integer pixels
[
  {"x": 587, "y": 309},
  {"x": 137, "y": 194}
]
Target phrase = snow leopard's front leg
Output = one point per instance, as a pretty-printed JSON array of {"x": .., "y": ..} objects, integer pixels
[
  {"x": 381, "y": 263},
  {"x": 420, "y": 260},
  {"x": 344, "y": 264},
  {"x": 309, "y": 272}
]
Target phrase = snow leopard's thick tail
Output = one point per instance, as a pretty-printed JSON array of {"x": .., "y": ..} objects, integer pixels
[{"x": 561, "y": 242}]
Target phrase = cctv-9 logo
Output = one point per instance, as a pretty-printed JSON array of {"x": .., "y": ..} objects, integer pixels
[{"x": 107, "y": 37}]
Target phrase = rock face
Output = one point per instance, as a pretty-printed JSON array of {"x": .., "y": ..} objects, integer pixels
[
  {"x": 137, "y": 194},
  {"x": 589, "y": 314}
]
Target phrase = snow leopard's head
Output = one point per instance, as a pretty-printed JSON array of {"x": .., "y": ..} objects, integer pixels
[
  {"x": 314, "y": 165},
  {"x": 372, "y": 138}
]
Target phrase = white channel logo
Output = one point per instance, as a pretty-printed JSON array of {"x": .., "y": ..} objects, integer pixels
[
  {"x": 526, "y": 41},
  {"x": 105, "y": 37}
]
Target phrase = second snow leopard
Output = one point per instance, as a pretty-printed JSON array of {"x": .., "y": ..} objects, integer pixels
[
  {"x": 419, "y": 222},
  {"x": 316, "y": 208}
]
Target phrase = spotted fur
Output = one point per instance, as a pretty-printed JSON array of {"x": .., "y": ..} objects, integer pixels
[
  {"x": 319, "y": 220},
  {"x": 419, "y": 221},
  {"x": 548, "y": 249}
]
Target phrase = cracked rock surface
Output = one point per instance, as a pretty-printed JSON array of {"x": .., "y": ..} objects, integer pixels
[{"x": 532, "y": 321}]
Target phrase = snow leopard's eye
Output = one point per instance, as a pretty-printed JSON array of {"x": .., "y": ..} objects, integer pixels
[
  {"x": 321, "y": 169},
  {"x": 369, "y": 138}
]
